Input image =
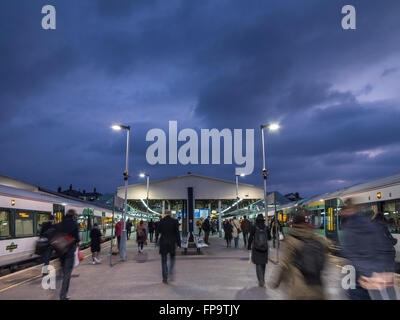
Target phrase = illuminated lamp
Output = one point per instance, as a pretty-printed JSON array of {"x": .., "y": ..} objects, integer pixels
[{"x": 379, "y": 195}]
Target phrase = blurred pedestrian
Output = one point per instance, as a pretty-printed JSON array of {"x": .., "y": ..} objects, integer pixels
[
  {"x": 128, "y": 228},
  {"x": 141, "y": 235},
  {"x": 47, "y": 230},
  {"x": 151, "y": 227},
  {"x": 235, "y": 231},
  {"x": 369, "y": 249},
  {"x": 246, "y": 227},
  {"x": 228, "y": 233},
  {"x": 276, "y": 230},
  {"x": 69, "y": 229},
  {"x": 258, "y": 244},
  {"x": 95, "y": 243},
  {"x": 199, "y": 223},
  {"x": 169, "y": 239},
  {"x": 302, "y": 261},
  {"x": 206, "y": 227},
  {"x": 118, "y": 230}
]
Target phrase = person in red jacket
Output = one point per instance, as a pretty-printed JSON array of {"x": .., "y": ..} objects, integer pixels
[{"x": 118, "y": 229}]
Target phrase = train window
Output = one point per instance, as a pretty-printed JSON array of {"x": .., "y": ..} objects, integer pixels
[
  {"x": 83, "y": 223},
  {"x": 4, "y": 224},
  {"x": 41, "y": 218},
  {"x": 23, "y": 224}
]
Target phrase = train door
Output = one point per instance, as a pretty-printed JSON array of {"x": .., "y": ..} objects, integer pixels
[
  {"x": 331, "y": 220},
  {"x": 58, "y": 212}
]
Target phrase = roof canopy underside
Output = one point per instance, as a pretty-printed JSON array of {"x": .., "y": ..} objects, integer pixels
[{"x": 205, "y": 188}]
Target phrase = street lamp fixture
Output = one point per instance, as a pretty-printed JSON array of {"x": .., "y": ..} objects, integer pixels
[{"x": 122, "y": 248}]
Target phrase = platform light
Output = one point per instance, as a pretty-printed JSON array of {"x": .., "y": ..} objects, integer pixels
[
  {"x": 13, "y": 202},
  {"x": 273, "y": 126},
  {"x": 116, "y": 127},
  {"x": 379, "y": 195},
  {"x": 142, "y": 175}
]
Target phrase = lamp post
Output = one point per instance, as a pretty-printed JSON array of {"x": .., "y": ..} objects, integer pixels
[
  {"x": 270, "y": 127},
  {"x": 237, "y": 189},
  {"x": 142, "y": 175},
  {"x": 122, "y": 248}
]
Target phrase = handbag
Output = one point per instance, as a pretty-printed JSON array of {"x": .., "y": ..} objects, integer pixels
[
  {"x": 42, "y": 244},
  {"x": 76, "y": 257},
  {"x": 62, "y": 243},
  {"x": 281, "y": 237},
  {"x": 80, "y": 255}
]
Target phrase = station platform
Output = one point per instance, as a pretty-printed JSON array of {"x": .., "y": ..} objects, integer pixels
[{"x": 218, "y": 273}]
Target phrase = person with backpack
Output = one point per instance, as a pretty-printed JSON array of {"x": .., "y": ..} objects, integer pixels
[
  {"x": 245, "y": 226},
  {"x": 302, "y": 261},
  {"x": 128, "y": 229},
  {"x": 68, "y": 229},
  {"x": 141, "y": 235},
  {"x": 258, "y": 244},
  {"x": 95, "y": 241}
]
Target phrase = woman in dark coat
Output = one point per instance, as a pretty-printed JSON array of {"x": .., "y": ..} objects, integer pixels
[
  {"x": 228, "y": 229},
  {"x": 259, "y": 258},
  {"x": 95, "y": 236}
]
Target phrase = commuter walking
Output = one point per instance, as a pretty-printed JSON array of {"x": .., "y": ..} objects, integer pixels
[
  {"x": 118, "y": 230},
  {"x": 276, "y": 229},
  {"x": 151, "y": 227},
  {"x": 169, "y": 239},
  {"x": 199, "y": 224},
  {"x": 206, "y": 227},
  {"x": 235, "y": 231},
  {"x": 69, "y": 229},
  {"x": 246, "y": 227},
  {"x": 128, "y": 228},
  {"x": 47, "y": 231},
  {"x": 302, "y": 261},
  {"x": 141, "y": 235},
  {"x": 95, "y": 243},
  {"x": 258, "y": 244},
  {"x": 228, "y": 233},
  {"x": 369, "y": 249}
]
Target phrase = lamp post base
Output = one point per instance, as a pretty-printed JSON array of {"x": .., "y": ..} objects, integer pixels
[{"x": 122, "y": 249}]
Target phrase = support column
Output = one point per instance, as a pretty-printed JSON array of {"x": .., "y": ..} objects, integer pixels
[{"x": 219, "y": 218}]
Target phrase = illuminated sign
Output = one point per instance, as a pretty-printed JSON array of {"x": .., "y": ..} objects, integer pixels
[{"x": 23, "y": 215}]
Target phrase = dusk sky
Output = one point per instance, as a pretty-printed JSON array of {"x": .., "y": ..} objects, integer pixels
[{"x": 206, "y": 64}]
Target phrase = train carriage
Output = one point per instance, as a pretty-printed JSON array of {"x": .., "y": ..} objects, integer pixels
[{"x": 22, "y": 213}]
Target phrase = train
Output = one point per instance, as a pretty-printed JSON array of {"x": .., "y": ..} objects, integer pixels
[
  {"x": 380, "y": 195},
  {"x": 22, "y": 212}
]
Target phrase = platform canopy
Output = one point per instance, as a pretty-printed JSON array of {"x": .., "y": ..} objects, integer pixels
[{"x": 206, "y": 188}]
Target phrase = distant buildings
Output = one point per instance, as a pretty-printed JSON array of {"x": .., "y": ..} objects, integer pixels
[
  {"x": 91, "y": 196},
  {"x": 293, "y": 196}
]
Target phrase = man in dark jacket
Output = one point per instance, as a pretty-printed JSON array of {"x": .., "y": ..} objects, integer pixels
[
  {"x": 69, "y": 227},
  {"x": 151, "y": 229},
  {"x": 246, "y": 226},
  {"x": 170, "y": 238},
  {"x": 366, "y": 247},
  {"x": 206, "y": 228},
  {"x": 259, "y": 256}
]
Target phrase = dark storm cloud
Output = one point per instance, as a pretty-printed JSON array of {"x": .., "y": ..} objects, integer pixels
[{"x": 206, "y": 64}]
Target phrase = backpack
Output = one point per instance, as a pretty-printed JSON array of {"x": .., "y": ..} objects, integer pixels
[
  {"x": 310, "y": 260},
  {"x": 260, "y": 240},
  {"x": 140, "y": 233}
]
